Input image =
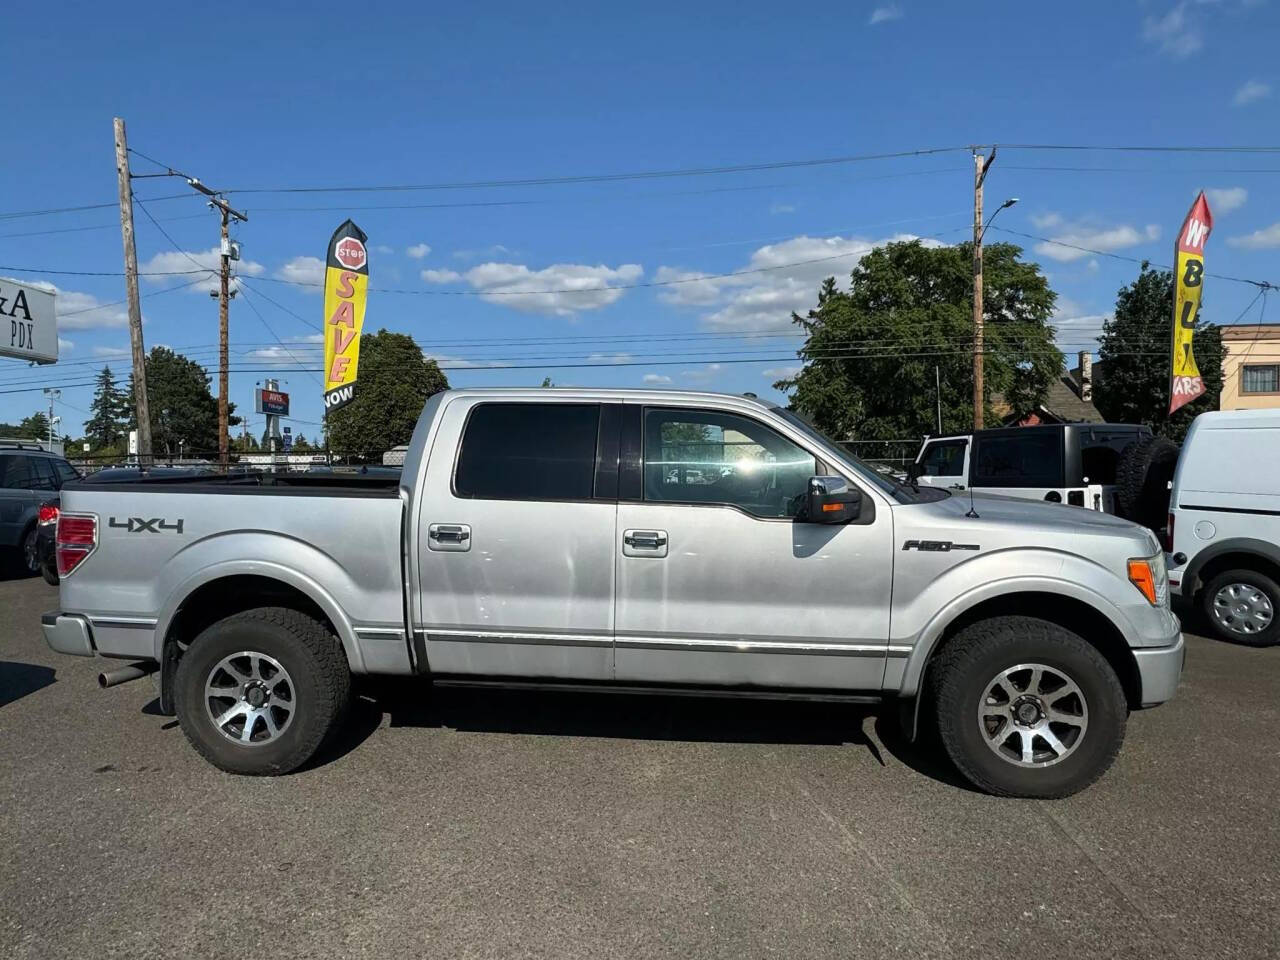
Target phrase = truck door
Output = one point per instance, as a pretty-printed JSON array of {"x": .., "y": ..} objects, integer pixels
[
  {"x": 515, "y": 541},
  {"x": 717, "y": 582},
  {"x": 944, "y": 462}
]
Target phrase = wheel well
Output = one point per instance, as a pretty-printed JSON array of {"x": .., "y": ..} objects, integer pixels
[
  {"x": 219, "y": 599},
  {"x": 1077, "y": 616},
  {"x": 1236, "y": 561}
]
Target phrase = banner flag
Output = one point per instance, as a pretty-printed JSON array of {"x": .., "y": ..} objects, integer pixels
[
  {"x": 1185, "y": 382},
  {"x": 346, "y": 290}
]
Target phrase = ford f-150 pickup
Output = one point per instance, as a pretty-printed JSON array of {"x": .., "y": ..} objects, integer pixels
[{"x": 629, "y": 540}]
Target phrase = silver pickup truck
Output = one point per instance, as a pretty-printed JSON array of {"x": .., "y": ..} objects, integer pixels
[{"x": 629, "y": 540}]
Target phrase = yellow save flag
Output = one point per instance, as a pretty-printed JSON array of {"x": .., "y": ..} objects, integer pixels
[{"x": 346, "y": 291}]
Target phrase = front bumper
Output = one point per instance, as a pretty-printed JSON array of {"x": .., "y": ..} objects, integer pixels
[
  {"x": 1160, "y": 669},
  {"x": 67, "y": 633}
]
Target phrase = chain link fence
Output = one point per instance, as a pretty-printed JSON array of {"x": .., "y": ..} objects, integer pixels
[{"x": 888, "y": 456}]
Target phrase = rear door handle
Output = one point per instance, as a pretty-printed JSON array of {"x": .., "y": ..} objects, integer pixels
[
  {"x": 454, "y": 537},
  {"x": 644, "y": 543},
  {"x": 957, "y": 486}
]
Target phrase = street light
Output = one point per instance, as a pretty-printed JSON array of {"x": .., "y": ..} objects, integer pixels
[{"x": 1004, "y": 206}]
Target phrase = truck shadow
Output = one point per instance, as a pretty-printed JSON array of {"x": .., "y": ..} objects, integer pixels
[
  {"x": 409, "y": 703},
  {"x": 17, "y": 680}
]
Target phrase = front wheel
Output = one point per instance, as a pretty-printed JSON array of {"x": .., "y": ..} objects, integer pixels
[
  {"x": 30, "y": 557},
  {"x": 1027, "y": 708},
  {"x": 259, "y": 692}
]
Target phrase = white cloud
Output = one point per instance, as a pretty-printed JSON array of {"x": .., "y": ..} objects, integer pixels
[
  {"x": 418, "y": 251},
  {"x": 706, "y": 373},
  {"x": 1250, "y": 91},
  {"x": 308, "y": 338},
  {"x": 1226, "y": 199},
  {"x": 65, "y": 346},
  {"x": 782, "y": 208},
  {"x": 304, "y": 270},
  {"x": 1092, "y": 266},
  {"x": 890, "y": 11},
  {"x": 178, "y": 264},
  {"x": 296, "y": 356},
  {"x": 443, "y": 359},
  {"x": 779, "y": 278},
  {"x": 780, "y": 373},
  {"x": 1077, "y": 329},
  {"x": 1263, "y": 239},
  {"x": 609, "y": 358},
  {"x": 1046, "y": 221},
  {"x": 84, "y": 311},
  {"x": 1175, "y": 33},
  {"x": 656, "y": 378},
  {"x": 1102, "y": 239},
  {"x": 562, "y": 289},
  {"x": 441, "y": 276}
]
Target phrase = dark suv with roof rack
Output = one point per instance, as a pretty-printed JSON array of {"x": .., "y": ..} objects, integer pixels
[{"x": 29, "y": 477}]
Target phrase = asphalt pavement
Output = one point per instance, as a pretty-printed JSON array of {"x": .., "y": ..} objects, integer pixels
[{"x": 504, "y": 825}]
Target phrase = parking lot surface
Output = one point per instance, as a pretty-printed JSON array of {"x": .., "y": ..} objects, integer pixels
[{"x": 500, "y": 825}]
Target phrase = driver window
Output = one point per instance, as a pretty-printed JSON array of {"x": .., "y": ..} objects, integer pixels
[{"x": 703, "y": 456}]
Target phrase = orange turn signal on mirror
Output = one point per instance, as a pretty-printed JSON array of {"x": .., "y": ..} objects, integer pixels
[
  {"x": 1140, "y": 576},
  {"x": 832, "y": 507}
]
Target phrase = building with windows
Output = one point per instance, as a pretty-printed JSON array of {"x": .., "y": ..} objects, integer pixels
[{"x": 1250, "y": 367}]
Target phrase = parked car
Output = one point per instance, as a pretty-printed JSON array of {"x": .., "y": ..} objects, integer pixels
[
  {"x": 29, "y": 475},
  {"x": 1072, "y": 463},
  {"x": 534, "y": 539},
  {"x": 1224, "y": 521}
]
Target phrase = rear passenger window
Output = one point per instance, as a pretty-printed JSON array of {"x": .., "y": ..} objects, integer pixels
[
  {"x": 66, "y": 472},
  {"x": 529, "y": 451},
  {"x": 44, "y": 475},
  {"x": 1022, "y": 459},
  {"x": 16, "y": 473}
]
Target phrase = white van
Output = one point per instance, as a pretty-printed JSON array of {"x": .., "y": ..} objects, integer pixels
[
  {"x": 1224, "y": 523},
  {"x": 1072, "y": 463}
]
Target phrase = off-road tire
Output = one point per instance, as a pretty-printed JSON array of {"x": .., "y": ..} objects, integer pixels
[
  {"x": 1263, "y": 638},
  {"x": 978, "y": 653},
  {"x": 1142, "y": 480},
  {"x": 316, "y": 664}
]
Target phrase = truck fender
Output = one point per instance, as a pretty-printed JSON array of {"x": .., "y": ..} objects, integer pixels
[
  {"x": 923, "y": 645},
  {"x": 274, "y": 571}
]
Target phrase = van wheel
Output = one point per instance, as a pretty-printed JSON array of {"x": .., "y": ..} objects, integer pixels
[
  {"x": 1026, "y": 708},
  {"x": 1243, "y": 606},
  {"x": 259, "y": 692}
]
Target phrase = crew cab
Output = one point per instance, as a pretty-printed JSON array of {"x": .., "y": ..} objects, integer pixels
[
  {"x": 1072, "y": 463},
  {"x": 637, "y": 541}
]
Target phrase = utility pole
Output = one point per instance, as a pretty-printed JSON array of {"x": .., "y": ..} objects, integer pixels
[
  {"x": 53, "y": 394},
  {"x": 980, "y": 167},
  {"x": 228, "y": 253},
  {"x": 141, "y": 408}
]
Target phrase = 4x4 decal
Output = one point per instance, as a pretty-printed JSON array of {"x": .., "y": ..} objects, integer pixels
[{"x": 138, "y": 525}]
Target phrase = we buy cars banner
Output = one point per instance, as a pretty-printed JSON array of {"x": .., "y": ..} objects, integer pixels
[
  {"x": 346, "y": 290},
  {"x": 1185, "y": 383}
]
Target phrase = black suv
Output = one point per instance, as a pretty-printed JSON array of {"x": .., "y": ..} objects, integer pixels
[{"x": 29, "y": 476}]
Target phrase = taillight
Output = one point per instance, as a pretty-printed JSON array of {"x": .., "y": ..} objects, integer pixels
[
  {"x": 76, "y": 538},
  {"x": 48, "y": 513}
]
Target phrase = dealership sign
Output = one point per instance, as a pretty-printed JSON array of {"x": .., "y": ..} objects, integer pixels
[
  {"x": 346, "y": 289},
  {"x": 271, "y": 401},
  {"x": 28, "y": 325},
  {"x": 1185, "y": 382}
]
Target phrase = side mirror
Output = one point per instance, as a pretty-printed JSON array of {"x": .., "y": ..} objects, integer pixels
[{"x": 832, "y": 500}]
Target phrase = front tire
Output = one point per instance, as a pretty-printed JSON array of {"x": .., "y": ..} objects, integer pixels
[
  {"x": 1026, "y": 708},
  {"x": 29, "y": 553},
  {"x": 259, "y": 692},
  {"x": 1243, "y": 606}
]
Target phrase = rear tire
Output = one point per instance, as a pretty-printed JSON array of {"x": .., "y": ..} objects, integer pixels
[
  {"x": 280, "y": 685},
  {"x": 28, "y": 560},
  {"x": 1243, "y": 606},
  {"x": 1026, "y": 708}
]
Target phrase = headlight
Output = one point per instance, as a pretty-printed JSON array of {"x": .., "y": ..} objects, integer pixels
[{"x": 1151, "y": 577}]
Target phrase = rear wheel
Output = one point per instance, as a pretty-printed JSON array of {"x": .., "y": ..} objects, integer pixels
[
  {"x": 1027, "y": 708},
  {"x": 1243, "y": 606},
  {"x": 29, "y": 558},
  {"x": 259, "y": 692}
]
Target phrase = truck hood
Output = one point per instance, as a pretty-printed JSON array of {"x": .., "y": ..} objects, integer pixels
[{"x": 1005, "y": 522}]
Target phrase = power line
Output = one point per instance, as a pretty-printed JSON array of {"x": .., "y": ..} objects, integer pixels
[
  {"x": 95, "y": 226},
  {"x": 18, "y": 214}
]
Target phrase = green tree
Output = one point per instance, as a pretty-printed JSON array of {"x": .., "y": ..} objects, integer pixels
[
  {"x": 110, "y": 413},
  {"x": 870, "y": 353},
  {"x": 183, "y": 410},
  {"x": 394, "y": 383},
  {"x": 1132, "y": 380},
  {"x": 34, "y": 427},
  {"x": 302, "y": 445}
]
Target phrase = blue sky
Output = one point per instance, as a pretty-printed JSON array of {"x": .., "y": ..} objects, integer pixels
[{"x": 398, "y": 93}]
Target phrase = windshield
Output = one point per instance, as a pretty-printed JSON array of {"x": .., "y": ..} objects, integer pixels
[{"x": 886, "y": 484}]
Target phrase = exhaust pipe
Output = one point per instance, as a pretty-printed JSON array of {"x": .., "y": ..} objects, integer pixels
[{"x": 134, "y": 671}]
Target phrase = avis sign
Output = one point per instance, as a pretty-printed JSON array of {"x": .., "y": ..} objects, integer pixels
[
  {"x": 346, "y": 289},
  {"x": 1186, "y": 383},
  {"x": 28, "y": 323}
]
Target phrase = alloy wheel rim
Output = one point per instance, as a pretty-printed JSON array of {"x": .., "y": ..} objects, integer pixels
[
  {"x": 29, "y": 553},
  {"x": 1033, "y": 715},
  {"x": 1242, "y": 608},
  {"x": 250, "y": 698}
]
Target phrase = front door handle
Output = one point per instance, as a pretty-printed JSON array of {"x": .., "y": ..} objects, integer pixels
[
  {"x": 449, "y": 537},
  {"x": 644, "y": 543},
  {"x": 957, "y": 486}
]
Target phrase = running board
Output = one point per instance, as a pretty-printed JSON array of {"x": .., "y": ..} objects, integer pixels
[{"x": 665, "y": 690}]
